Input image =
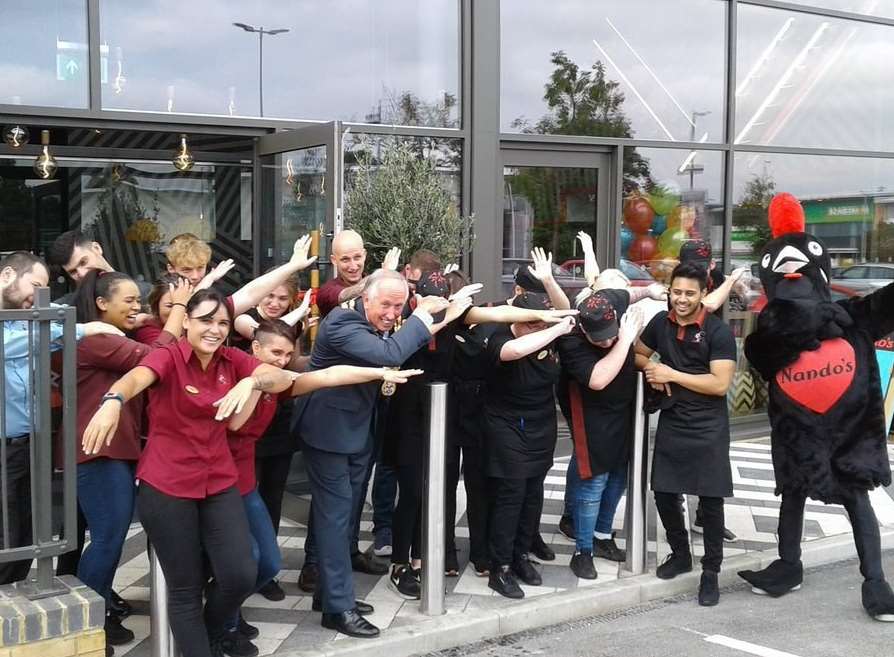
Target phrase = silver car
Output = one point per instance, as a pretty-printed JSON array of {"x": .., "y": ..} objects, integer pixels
[{"x": 866, "y": 277}]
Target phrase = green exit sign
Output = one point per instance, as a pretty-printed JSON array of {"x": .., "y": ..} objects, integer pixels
[{"x": 71, "y": 60}]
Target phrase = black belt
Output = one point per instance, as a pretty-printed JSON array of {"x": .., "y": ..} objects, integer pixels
[{"x": 18, "y": 439}]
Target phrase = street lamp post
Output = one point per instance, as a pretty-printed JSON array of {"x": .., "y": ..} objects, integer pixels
[{"x": 261, "y": 32}]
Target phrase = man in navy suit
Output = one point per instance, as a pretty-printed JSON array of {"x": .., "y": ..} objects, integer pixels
[{"x": 336, "y": 428}]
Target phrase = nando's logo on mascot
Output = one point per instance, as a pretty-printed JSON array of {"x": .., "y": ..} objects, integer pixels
[{"x": 819, "y": 378}]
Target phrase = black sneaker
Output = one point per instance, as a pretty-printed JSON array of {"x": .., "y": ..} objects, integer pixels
[
  {"x": 116, "y": 633},
  {"x": 878, "y": 600},
  {"x": 541, "y": 550},
  {"x": 566, "y": 526},
  {"x": 708, "y": 592},
  {"x": 403, "y": 580},
  {"x": 699, "y": 528},
  {"x": 503, "y": 582},
  {"x": 247, "y": 630},
  {"x": 606, "y": 548},
  {"x": 119, "y": 606},
  {"x": 675, "y": 564},
  {"x": 307, "y": 579},
  {"x": 525, "y": 571},
  {"x": 235, "y": 645},
  {"x": 582, "y": 565},
  {"x": 451, "y": 565},
  {"x": 272, "y": 591}
]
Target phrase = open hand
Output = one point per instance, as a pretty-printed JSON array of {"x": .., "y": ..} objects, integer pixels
[
  {"x": 466, "y": 292},
  {"x": 101, "y": 428},
  {"x": 556, "y": 316},
  {"x": 220, "y": 270},
  {"x": 542, "y": 268},
  {"x": 180, "y": 291},
  {"x": 392, "y": 259},
  {"x": 235, "y": 399},
  {"x": 431, "y": 304},
  {"x": 399, "y": 376},
  {"x": 631, "y": 324},
  {"x": 300, "y": 259}
]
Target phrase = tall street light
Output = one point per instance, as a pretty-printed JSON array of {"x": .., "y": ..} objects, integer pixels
[{"x": 261, "y": 32}]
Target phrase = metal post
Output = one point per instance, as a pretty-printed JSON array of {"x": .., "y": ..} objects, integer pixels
[
  {"x": 433, "y": 509},
  {"x": 261, "y": 71},
  {"x": 162, "y": 644},
  {"x": 637, "y": 488},
  {"x": 42, "y": 451}
]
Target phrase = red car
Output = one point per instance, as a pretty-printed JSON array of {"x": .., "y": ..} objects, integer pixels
[{"x": 637, "y": 275}]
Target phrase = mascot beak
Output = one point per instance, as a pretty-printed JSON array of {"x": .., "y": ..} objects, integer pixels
[{"x": 789, "y": 261}]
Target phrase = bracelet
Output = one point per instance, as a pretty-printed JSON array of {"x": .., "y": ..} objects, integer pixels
[
  {"x": 182, "y": 305},
  {"x": 117, "y": 396}
]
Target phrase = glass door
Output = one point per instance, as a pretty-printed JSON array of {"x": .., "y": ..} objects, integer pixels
[
  {"x": 548, "y": 197},
  {"x": 300, "y": 190}
]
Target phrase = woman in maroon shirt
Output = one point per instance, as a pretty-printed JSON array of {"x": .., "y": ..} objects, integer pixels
[
  {"x": 106, "y": 478},
  {"x": 188, "y": 501}
]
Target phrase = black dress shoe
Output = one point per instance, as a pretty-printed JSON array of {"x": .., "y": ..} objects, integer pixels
[
  {"x": 541, "y": 550},
  {"x": 119, "y": 606},
  {"x": 364, "y": 563},
  {"x": 525, "y": 571},
  {"x": 307, "y": 579},
  {"x": 566, "y": 526},
  {"x": 363, "y": 608},
  {"x": 350, "y": 622},
  {"x": 272, "y": 591},
  {"x": 246, "y": 629},
  {"x": 116, "y": 633}
]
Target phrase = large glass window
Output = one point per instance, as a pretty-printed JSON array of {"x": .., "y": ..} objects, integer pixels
[
  {"x": 355, "y": 60},
  {"x": 865, "y": 7},
  {"x": 811, "y": 81},
  {"x": 849, "y": 205},
  {"x": 617, "y": 68},
  {"x": 43, "y": 53}
]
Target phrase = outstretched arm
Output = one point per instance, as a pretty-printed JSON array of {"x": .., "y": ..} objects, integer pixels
[
  {"x": 251, "y": 294},
  {"x": 511, "y": 315},
  {"x": 528, "y": 344},
  {"x": 716, "y": 298},
  {"x": 876, "y": 309},
  {"x": 346, "y": 375}
]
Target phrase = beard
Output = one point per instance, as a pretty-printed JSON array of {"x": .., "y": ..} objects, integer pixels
[{"x": 12, "y": 299}]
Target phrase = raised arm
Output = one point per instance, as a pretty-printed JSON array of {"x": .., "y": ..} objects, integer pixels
[
  {"x": 390, "y": 261},
  {"x": 591, "y": 267},
  {"x": 716, "y": 298},
  {"x": 295, "y": 316},
  {"x": 102, "y": 426},
  {"x": 251, "y": 294},
  {"x": 528, "y": 344},
  {"x": 543, "y": 272}
]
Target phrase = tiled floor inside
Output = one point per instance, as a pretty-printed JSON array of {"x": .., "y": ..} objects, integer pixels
[{"x": 290, "y": 624}]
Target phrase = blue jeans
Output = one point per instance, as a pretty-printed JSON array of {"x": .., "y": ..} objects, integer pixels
[
  {"x": 106, "y": 493},
  {"x": 588, "y": 496},
  {"x": 611, "y": 496},
  {"x": 264, "y": 548}
]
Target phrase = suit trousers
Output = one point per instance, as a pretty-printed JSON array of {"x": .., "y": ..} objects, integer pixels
[
  {"x": 515, "y": 507},
  {"x": 337, "y": 488},
  {"x": 670, "y": 510},
  {"x": 863, "y": 521}
]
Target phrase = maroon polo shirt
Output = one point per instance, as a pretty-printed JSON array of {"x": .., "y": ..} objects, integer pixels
[
  {"x": 327, "y": 295},
  {"x": 186, "y": 454},
  {"x": 242, "y": 442},
  {"x": 102, "y": 360},
  {"x": 149, "y": 332}
]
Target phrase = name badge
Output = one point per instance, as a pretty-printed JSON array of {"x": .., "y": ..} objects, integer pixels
[{"x": 191, "y": 390}]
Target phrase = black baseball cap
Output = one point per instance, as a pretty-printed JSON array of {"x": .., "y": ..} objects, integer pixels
[
  {"x": 433, "y": 283},
  {"x": 532, "y": 301},
  {"x": 697, "y": 251},
  {"x": 526, "y": 281},
  {"x": 598, "y": 318}
]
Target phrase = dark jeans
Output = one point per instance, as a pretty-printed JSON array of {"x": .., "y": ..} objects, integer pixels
[
  {"x": 18, "y": 490},
  {"x": 272, "y": 473},
  {"x": 181, "y": 531},
  {"x": 515, "y": 506},
  {"x": 670, "y": 510},
  {"x": 407, "y": 530},
  {"x": 337, "y": 487},
  {"x": 475, "y": 482},
  {"x": 106, "y": 496},
  {"x": 863, "y": 522}
]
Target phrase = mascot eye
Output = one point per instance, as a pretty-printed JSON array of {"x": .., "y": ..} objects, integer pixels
[
  {"x": 815, "y": 248},
  {"x": 765, "y": 261}
]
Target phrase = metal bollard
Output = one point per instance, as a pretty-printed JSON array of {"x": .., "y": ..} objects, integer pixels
[
  {"x": 433, "y": 507},
  {"x": 635, "y": 518},
  {"x": 162, "y": 642}
]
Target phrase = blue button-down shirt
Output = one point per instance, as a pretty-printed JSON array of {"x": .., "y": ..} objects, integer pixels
[{"x": 15, "y": 371}]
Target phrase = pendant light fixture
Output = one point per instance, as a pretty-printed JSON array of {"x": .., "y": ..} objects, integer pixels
[
  {"x": 16, "y": 135},
  {"x": 183, "y": 160},
  {"x": 45, "y": 165}
]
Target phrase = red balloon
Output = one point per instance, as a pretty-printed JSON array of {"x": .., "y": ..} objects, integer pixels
[
  {"x": 638, "y": 215},
  {"x": 643, "y": 248}
]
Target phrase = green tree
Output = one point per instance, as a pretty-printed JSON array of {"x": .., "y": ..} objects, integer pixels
[{"x": 750, "y": 213}]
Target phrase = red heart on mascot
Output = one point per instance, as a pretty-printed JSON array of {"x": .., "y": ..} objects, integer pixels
[{"x": 818, "y": 379}]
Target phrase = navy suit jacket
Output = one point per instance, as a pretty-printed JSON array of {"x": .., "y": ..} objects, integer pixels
[{"x": 339, "y": 419}]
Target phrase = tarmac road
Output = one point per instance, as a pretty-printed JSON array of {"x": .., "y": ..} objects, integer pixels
[{"x": 824, "y": 619}]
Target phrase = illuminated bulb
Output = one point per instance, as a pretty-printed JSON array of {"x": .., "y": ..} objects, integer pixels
[
  {"x": 16, "y": 135},
  {"x": 45, "y": 165},
  {"x": 183, "y": 160}
]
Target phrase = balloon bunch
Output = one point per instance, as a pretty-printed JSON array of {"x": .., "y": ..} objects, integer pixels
[{"x": 656, "y": 224}]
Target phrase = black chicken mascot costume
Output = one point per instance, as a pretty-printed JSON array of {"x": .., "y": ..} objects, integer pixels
[{"x": 826, "y": 413}]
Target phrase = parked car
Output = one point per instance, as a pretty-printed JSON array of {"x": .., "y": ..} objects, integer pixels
[
  {"x": 865, "y": 278},
  {"x": 639, "y": 276}
]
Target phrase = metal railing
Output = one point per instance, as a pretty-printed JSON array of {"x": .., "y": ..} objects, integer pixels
[{"x": 37, "y": 323}]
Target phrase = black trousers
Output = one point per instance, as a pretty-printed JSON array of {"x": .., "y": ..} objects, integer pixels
[
  {"x": 865, "y": 525},
  {"x": 475, "y": 482},
  {"x": 272, "y": 473},
  {"x": 670, "y": 510},
  {"x": 18, "y": 491},
  {"x": 515, "y": 507},
  {"x": 406, "y": 528},
  {"x": 182, "y": 531}
]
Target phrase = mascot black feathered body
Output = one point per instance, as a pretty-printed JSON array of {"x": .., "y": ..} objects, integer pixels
[{"x": 826, "y": 410}]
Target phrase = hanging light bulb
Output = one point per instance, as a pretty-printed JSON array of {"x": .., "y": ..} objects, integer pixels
[
  {"x": 183, "y": 160},
  {"x": 45, "y": 165},
  {"x": 16, "y": 135}
]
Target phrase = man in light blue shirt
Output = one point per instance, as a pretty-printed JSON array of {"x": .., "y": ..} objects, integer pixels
[{"x": 20, "y": 274}]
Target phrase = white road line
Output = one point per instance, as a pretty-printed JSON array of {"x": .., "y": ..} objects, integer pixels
[{"x": 744, "y": 646}]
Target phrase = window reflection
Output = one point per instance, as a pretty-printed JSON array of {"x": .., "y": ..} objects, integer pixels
[
  {"x": 366, "y": 61},
  {"x": 812, "y": 81},
  {"x": 43, "y": 53},
  {"x": 865, "y": 7},
  {"x": 624, "y": 62}
]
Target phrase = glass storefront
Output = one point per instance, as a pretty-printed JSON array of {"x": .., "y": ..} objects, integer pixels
[{"x": 394, "y": 62}]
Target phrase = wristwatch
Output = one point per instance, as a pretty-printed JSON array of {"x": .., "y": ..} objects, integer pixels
[{"x": 117, "y": 396}]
